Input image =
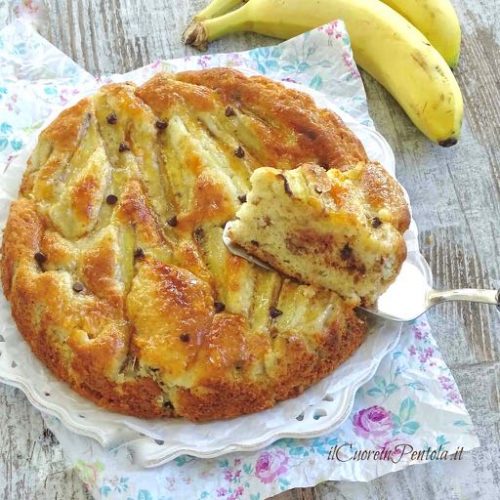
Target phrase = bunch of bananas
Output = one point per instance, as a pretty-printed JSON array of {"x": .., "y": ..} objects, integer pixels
[{"x": 407, "y": 45}]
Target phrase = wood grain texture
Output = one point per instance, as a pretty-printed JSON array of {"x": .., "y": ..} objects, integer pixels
[{"x": 455, "y": 198}]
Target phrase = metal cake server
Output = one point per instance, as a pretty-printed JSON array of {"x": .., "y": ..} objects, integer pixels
[{"x": 411, "y": 294}]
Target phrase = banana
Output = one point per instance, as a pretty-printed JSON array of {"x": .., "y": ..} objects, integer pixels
[
  {"x": 217, "y": 8},
  {"x": 384, "y": 44},
  {"x": 437, "y": 20}
]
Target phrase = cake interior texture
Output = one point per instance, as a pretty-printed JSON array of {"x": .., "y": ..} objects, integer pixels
[{"x": 342, "y": 230}]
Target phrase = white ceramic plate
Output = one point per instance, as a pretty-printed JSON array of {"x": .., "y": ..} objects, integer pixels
[{"x": 321, "y": 408}]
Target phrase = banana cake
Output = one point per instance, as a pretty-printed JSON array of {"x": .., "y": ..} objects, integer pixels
[{"x": 113, "y": 259}]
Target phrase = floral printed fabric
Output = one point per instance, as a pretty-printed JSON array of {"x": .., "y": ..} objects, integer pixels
[{"x": 412, "y": 400}]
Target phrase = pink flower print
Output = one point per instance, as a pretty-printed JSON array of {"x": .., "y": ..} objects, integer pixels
[
  {"x": 27, "y": 9},
  {"x": 412, "y": 350},
  {"x": 235, "y": 59},
  {"x": 31, "y": 5},
  {"x": 452, "y": 394},
  {"x": 236, "y": 493},
  {"x": 203, "y": 61},
  {"x": 373, "y": 423},
  {"x": 221, "y": 492},
  {"x": 349, "y": 62},
  {"x": 170, "y": 483},
  {"x": 270, "y": 465},
  {"x": 393, "y": 448},
  {"x": 426, "y": 354},
  {"x": 228, "y": 475},
  {"x": 445, "y": 382},
  {"x": 331, "y": 29}
]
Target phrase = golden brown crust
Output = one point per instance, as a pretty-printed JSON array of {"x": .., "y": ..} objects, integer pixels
[
  {"x": 319, "y": 135},
  {"x": 21, "y": 240},
  {"x": 114, "y": 265},
  {"x": 383, "y": 190}
]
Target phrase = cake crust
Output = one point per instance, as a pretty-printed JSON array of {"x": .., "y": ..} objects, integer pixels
[{"x": 113, "y": 260}]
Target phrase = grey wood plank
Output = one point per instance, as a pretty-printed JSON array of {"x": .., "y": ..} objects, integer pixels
[
  {"x": 455, "y": 198},
  {"x": 31, "y": 460}
]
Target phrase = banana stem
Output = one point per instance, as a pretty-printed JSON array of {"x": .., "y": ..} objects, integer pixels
[
  {"x": 216, "y": 8},
  {"x": 199, "y": 33}
]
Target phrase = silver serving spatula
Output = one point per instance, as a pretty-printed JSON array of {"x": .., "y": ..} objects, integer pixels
[{"x": 411, "y": 294}]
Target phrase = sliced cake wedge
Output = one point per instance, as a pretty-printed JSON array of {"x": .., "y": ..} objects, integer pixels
[{"x": 342, "y": 230}]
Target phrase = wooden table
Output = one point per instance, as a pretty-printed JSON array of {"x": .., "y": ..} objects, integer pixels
[{"x": 455, "y": 197}]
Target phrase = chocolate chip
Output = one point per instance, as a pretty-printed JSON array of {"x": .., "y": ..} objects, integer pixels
[
  {"x": 229, "y": 111},
  {"x": 219, "y": 307},
  {"x": 168, "y": 405},
  {"x": 139, "y": 253},
  {"x": 376, "y": 222},
  {"x": 161, "y": 125},
  {"x": 346, "y": 252},
  {"x": 77, "y": 287},
  {"x": 199, "y": 233},
  {"x": 123, "y": 147},
  {"x": 254, "y": 243},
  {"x": 274, "y": 313},
  {"x": 239, "y": 152},
  {"x": 111, "y": 199},
  {"x": 239, "y": 365},
  {"x": 288, "y": 190},
  {"x": 172, "y": 221},
  {"x": 40, "y": 257},
  {"x": 112, "y": 118},
  {"x": 318, "y": 189},
  {"x": 184, "y": 337},
  {"x": 242, "y": 198},
  {"x": 310, "y": 134}
]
